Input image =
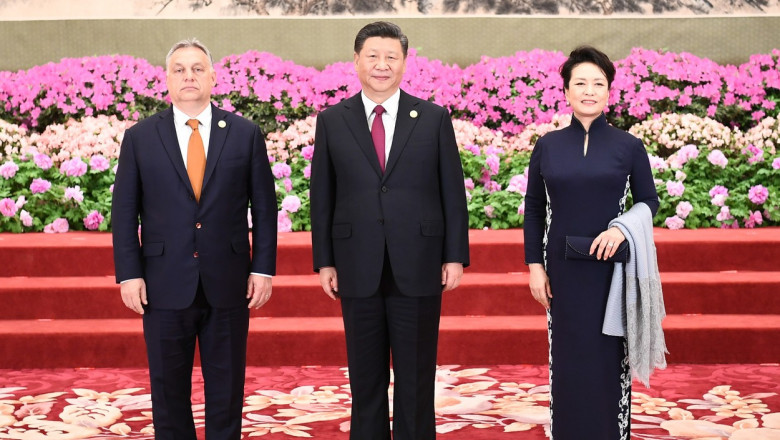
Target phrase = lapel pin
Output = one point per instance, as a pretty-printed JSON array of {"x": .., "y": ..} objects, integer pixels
[
  {"x": 413, "y": 113},
  {"x": 222, "y": 124}
]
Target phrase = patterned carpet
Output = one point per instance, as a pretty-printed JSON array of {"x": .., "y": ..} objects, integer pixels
[{"x": 738, "y": 402}]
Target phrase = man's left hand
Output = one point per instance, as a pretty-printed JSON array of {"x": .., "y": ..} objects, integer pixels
[
  {"x": 451, "y": 274},
  {"x": 258, "y": 290}
]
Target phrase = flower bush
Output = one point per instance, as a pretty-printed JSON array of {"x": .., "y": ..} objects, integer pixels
[{"x": 711, "y": 131}]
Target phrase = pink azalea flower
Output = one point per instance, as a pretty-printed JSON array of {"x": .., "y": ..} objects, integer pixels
[
  {"x": 684, "y": 209},
  {"x": 473, "y": 149},
  {"x": 58, "y": 226},
  {"x": 283, "y": 222},
  {"x": 674, "y": 222},
  {"x": 307, "y": 152},
  {"x": 93, "y": 220},
  {"x": 718, "y": 189},
  {"x": 291, "y": 203},
  {"x": 99, "y": 163},
  {"x": 675, "y": 189},
  {"x": 43, "y": 161},
  {"x": 74, "y": 193},
  {"x": 8, "y": 207},
  {"x": 307, "y": 172},
  {"x": 521, "y": 208},
  {"x": 39, "y": 186},
  {"x": 724, "y": 214},
  {"x": 754, "y": 219},
  {"x": 518, "y": 184},
  {"x": 468, "y": 183},
  {"x": 489, "y": 211},
  {"x": 758, "y": 194},
  {"x": 776, "y": 163},
  {"x": 288, "y": 184},
  {"x": 8, "y": 169},
  {"x": 687, "y": 153},
  {"x": 74, "y": 167},
  {"x": 26, "y": 219},
  {"x": 281, "y": 170},
  {"x": 492, "y": 186},
  {"x": 717, "y": 158}
]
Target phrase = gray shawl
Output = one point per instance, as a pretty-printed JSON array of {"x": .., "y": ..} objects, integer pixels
[{"x": 635, "y": 307}]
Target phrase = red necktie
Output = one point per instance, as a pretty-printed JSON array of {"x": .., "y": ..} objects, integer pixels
[
  {"x": 196, "y": 158},
  {"x": 378, "y": 135}
]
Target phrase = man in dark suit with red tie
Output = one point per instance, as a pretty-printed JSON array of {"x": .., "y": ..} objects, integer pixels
[
  {"x": 189, "y": 173},
  {"x": 389, "y": 234}
]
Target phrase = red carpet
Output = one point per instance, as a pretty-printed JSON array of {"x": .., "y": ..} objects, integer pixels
[
  {"x": 62, "y": 308},
  {"x": 735, "y": 401}
]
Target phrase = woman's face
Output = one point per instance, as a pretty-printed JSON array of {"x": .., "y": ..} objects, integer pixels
[{"x": 588, "y": 91}]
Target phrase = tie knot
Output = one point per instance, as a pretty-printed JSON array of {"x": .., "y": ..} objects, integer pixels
[
  {"x": 193, "y": 123},
  {"x": 379, "y": 110}
]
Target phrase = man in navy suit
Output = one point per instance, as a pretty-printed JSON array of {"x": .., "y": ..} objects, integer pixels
[
  {"x": 389, "y": 234},
  {"x": 189, "y": 173}
]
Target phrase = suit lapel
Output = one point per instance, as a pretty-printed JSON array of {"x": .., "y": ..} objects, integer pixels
[
  {"x": 167, "y": 132},
  {"x": 219, "y": 131},
  {"x": 404, "y": 124},
  {"x": 355, "y": 118}
]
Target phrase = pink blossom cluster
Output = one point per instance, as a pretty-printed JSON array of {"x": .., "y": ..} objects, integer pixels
[
  {"x": 81, "y": 87},
  {"x": 87, "y": 137},
  {"x": 506, "y": 93},
  {"x": 669, "y": 132}
]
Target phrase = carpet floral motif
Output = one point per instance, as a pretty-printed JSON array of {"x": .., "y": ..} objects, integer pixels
[{"x": 724, "y": 402}]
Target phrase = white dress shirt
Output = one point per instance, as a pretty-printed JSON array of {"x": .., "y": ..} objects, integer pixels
[{"x": 388, "y": 117}]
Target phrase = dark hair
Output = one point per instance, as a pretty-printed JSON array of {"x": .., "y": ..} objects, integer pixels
[
  {"x": 382, "y": 29},
  {"x": 587, "y": 54}
]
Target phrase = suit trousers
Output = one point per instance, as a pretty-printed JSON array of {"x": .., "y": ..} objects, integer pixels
[
  {"x": 170, "y": 337},
  {"x": 384, "y": 324}
]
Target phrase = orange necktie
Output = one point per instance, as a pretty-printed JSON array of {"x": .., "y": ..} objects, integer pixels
[{"x": 196, "y": 158}]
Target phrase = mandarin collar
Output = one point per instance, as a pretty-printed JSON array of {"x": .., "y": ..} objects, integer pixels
[{"x": 600, "y": 121}]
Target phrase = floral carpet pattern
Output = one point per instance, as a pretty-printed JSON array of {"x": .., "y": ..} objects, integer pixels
[{"x": 735, "y": 402}]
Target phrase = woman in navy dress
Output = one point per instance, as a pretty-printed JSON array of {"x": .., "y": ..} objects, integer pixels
[{"x": 579, "y": 179}]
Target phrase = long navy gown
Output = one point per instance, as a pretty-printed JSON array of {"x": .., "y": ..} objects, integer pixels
[{"x": 577, "y": 193}]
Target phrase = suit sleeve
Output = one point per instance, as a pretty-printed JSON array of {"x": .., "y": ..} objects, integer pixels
[
  {"x": 535, "y": 208},
  {"x": 322, "y": 196},
  {"x": 453, "y": 196},
  {"x": 125, "y": 209},
  {"x": 263, "y": 205}
]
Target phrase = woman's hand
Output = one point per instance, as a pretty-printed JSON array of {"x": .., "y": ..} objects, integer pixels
[
  {"x": 540, "y": 285},
  {"x": 606, "y": 244}
]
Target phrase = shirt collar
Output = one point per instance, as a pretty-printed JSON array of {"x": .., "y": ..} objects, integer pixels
[
  {"x": 181, "y": 118},
  {"x": 390, "y": 105}
]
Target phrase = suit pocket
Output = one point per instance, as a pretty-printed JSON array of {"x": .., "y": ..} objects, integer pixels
[
  {"x": 154, "y": 249},
  {"x": 341, "y": 230},
  {"x": 432, "y": 228},
  {"x": 240, "y": 246}
]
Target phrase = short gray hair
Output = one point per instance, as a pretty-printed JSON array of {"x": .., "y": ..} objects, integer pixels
[{"x": 189, "y": 42}]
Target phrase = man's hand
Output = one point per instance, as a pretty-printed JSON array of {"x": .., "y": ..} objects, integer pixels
[
  {"x": 329, "y": 282},
  {"x": 134, "y": 294},
  {"x": 451, "y": 274},
  {"x": 258, "y": 290}
]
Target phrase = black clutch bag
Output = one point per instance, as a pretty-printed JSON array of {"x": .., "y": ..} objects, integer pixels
[{"x": 578, "y": 248}]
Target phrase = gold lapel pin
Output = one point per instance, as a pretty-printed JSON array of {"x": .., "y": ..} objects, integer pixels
[
  {"x": 222, "y": 124},
  {"x": 413, "y": 113}
]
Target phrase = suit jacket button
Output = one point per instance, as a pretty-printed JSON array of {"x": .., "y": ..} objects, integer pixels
[
  {"x": 195, "y": 255},
  {"x": 198, "y": 225},
  {"x": 385, "y": 189}
]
